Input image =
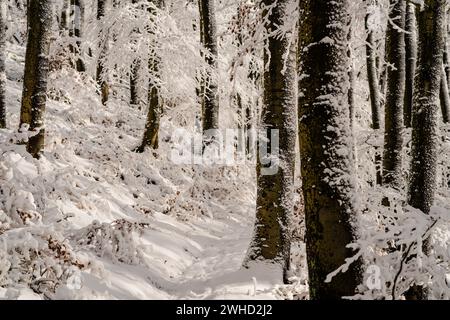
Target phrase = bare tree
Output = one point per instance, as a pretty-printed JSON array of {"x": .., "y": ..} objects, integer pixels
[
  {"x": 155, "y": 107},
  {"x": 422, "y": 182},
  {"x": 210, "y": 108},
  {"x": 411, "y": 61},
  {"x": 326, "y": 145},
  {"x": 395, "y": 56},
  {"x": 274, "y": 202},
  {"x": 34, "y": 94},
  {"x": 371, "y": 62},
  {"x": 76, "y": 31},
  {"x": 102, "y": 77}
]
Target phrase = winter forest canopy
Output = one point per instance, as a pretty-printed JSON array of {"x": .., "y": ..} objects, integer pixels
[{"x": 225, "y": 149}]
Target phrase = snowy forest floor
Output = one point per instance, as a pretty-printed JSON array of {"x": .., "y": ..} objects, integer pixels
[{"x": 94, "y": 220}]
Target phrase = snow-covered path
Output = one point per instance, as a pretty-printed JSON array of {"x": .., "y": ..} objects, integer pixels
[{"x": 142, "y": 227}]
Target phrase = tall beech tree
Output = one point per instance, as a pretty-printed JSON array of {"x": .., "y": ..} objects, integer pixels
[
  {"x": 422, "y": 184},
  {"x": 65, "y": 14},
  {"x": 135, "y": 76},
  {"x": 274, "y": 200},
  {"x": 101, "y": 76},
  {"x": 155, "y": 107},
  {"x": 371, "y": 63},
  {"x": 395, "y": 57},
  {"x": 445, "y": 81},
  {"x": 426, "y": 105},
  {"x": 444, "y": 97},
  {"x": 76, "y": 31},
  {"x": 208, "y": 32},
  {"x": 325, "y": 145},
  {"x": 34, "y": 96},
  {"x": 411, "y": 61}
]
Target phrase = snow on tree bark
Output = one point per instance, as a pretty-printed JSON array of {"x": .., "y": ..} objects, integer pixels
[
  {"x": 411, "y": 61},
  {"x": 155, "y": 107},
  {"x": 422, "y": 184},
  {"x": 34, "y": 96},
  {"x": 135, "y": 77},
  {"x": 3, "y": 8},
  {"x": 76, "y": 31},
  {"x": 101, "y": 75},
  {"x": 444, "y": 93},
  {"x": 371, "y": 62},
  {"x": 274, "y": 202},
  {"x": 210, "y": 108},
  {"x": 393, "y": 135},
  {"x": 325, "y": 146},
  {"x": 65, "y": 13},
  {"x": 352, "y": 80},
  {"x": 426, "y": 105},
  {"x": 446, "y": 46},
  {"x": 134, "y": 82},
  {"x": 444, "y": 97}
]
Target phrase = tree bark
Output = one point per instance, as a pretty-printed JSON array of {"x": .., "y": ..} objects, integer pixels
[
  {"x": 424, "y": 148},
  {"x": 426, "y": 105},
  {"x": 210, "y": 110},
  {"x": 274, "y": 201},
  {"x": 411, "y": 61},
  {"x": 134, "y": 82},
  {"x": 155, "y": 106},
  {"x": 3, "y": 9},
  {"x": 64, "y": 20},
  {"x": 393, "y": 135},
  {"x": 34, "y": 95},
  {"x": 135, "y": 77},
  {"x": 446, "y": 47},
  {"x": 371, "y": 61},
  {"x": 352, "y": 80},
  {"x": 101, "y": 72},
  {"x": 444, "y": 97},
  {"x": 445, "y": 82},
  {"x": 325, "y": 146},
  {"x": 76, "y": 31}
]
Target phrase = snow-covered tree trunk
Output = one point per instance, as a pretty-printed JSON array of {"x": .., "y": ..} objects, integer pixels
[
  {"x": 134, "y": 82},
  {"x": 444, "y": 93},
  {"x": 34, "y": 94},
  {"x": 371, "y": 62},
  {"x": 446, "y": 46},
  {"x": 155, "y": 107},
  {"x": 411, "y": 61},
  {"x": 76, "y": 31},
  {"x": 135, "y": 77},
  {"x": 352, "y": 80},
  {"x": 395, "y": 57},
  {"x": 372, "y": 65},
  {"x": 3, "y": 8},
  {"x": 426, "y": 105},
  {"x": 422, "y": 184},
  {"x": 241, "y": 119},
  {"x": 275, "y": 177},
  {"x": 65, "y": 13},
  {"x": 327, "y": 165},
  {"x": 200, "y": 89},
  {"x": 101, "y": 75},
  {"x": 444, "y": 97},
  {"x": 210, "y": 109}
]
